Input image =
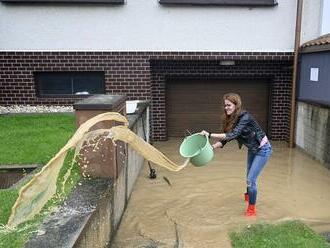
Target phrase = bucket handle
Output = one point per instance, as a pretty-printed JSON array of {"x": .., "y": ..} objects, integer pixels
[{"x": 187, "y": 133}]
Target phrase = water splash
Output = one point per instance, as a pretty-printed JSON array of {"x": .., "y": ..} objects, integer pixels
[{"x": 41, "y": 188}]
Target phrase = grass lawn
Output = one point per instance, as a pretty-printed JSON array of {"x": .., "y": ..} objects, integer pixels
[
  {"x": 17, "y": 238},
  {"x": 284, "y": 235},
  {"x": 33, "y": 139}
]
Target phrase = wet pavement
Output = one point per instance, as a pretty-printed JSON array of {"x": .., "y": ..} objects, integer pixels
[{"x": 199, "y": 206}]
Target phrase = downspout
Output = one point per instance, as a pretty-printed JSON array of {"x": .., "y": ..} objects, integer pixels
[{"x": 295, "y": 71}]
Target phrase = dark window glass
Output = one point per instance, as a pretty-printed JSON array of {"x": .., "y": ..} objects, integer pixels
[
  {"x": 69, "y": 83},
  {"x": 65, "y": 1}
]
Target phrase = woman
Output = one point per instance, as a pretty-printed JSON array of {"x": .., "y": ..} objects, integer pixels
[{"x": 240, "y": 125}]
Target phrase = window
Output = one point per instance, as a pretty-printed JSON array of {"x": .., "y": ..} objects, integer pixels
[
  {"x": 69, "y": 83},
  {"x": 65, "y": 1},
  {"x": 223, "y": 2}
]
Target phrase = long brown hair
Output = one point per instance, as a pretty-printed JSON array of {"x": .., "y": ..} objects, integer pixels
[{"x": 229, "y": 121}]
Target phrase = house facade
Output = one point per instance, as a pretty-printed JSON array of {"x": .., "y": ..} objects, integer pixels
[
  {"x": 181, "y": 55},
  {"x": 313, "y": 98}
]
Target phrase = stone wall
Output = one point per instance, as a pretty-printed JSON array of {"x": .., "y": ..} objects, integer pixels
[{"x": 313, "y": 131}]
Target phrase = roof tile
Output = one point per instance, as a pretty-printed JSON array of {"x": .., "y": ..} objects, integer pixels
[{"x": 322, "y": 40}]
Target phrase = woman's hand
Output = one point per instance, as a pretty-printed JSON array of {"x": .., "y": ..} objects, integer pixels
[
  {"x": 217, "y": 145},
  {"x": 205, "y": 133}
]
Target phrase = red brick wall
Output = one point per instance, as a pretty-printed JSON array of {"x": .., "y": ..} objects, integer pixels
[{"x": 142, "y": 75}]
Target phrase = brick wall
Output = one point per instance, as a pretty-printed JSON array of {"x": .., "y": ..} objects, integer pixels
[{"x": 142, "y": 75}]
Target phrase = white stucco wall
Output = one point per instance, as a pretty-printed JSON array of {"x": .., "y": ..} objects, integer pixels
[
  {"x": 311, "y": 20},
  {"x": 145, "y": 25},
  {"x": 325, "y": 17}
]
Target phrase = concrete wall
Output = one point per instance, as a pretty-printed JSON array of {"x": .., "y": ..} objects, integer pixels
[
  {"x": 146, "y": 25},
  {"x": 313, "y": 131},
  {"x": 123, "y": 186},
  {"x": 96, "y": 232},
  {"x": 135, "y": 160}
]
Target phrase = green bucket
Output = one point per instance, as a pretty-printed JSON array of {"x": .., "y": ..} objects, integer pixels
[{"x": 198, "y": 148}]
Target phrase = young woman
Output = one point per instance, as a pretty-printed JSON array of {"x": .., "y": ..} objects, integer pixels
[{"x": 240, "y": 125}]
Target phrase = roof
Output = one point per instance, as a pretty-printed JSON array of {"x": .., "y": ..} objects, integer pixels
[{"x": 321, "y": 43}]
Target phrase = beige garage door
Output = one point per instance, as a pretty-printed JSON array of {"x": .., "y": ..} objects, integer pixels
[{"x": 197, "y": 105}]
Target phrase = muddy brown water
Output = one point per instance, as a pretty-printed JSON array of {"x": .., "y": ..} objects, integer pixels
[{"x": 198, "y": 207}]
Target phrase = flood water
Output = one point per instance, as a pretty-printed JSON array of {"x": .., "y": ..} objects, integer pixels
[{"x": 199, "y": 206}]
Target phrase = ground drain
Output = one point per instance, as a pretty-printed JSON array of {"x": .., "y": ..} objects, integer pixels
[{"x": 11, "y": 174}]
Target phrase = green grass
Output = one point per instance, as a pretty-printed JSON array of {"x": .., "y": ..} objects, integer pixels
[
  {"x": 17, "y": 238},
  {"x": 285, "y": 235},
  {"x": 33, "y": 139},
  {"x": 8, "y": 198}
]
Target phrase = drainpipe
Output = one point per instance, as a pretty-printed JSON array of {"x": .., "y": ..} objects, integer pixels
[{"x": 295, "y": 71}]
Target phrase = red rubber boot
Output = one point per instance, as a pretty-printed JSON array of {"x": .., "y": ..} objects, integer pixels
[
  {"x": 246, "y": 197},
  {"x": 251, "y": 210}
]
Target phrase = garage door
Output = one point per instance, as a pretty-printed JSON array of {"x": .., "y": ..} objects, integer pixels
[{"x": 197, "y": 105}]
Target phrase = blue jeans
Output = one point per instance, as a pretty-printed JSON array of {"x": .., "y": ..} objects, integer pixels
[{"x": 255, "y": 163}]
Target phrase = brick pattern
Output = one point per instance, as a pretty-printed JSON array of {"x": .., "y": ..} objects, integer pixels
[{"x": 142, "y": 75}]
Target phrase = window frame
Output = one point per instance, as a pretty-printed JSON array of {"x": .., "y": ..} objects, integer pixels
[
  {"x": 42, "y": 95},
  {"x": 262, "y": 3},
  {"x": 112, "y": 2}
]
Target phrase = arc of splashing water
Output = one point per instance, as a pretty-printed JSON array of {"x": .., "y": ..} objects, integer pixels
[
  {"x": 35, "y": 194},
  {"x": 149, "y": 152},
  {"x": 41, "y": 188}
]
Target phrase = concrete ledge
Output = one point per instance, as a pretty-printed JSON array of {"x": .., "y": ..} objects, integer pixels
[
  {"x": 66, "y": 227},
  {"x": 326, "y": 235}
]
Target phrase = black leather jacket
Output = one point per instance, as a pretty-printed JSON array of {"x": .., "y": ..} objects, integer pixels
[{"x": 246, "y": 131}]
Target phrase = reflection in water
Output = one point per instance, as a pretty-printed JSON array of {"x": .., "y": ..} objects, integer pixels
[{"x": 203, "y": 204}]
